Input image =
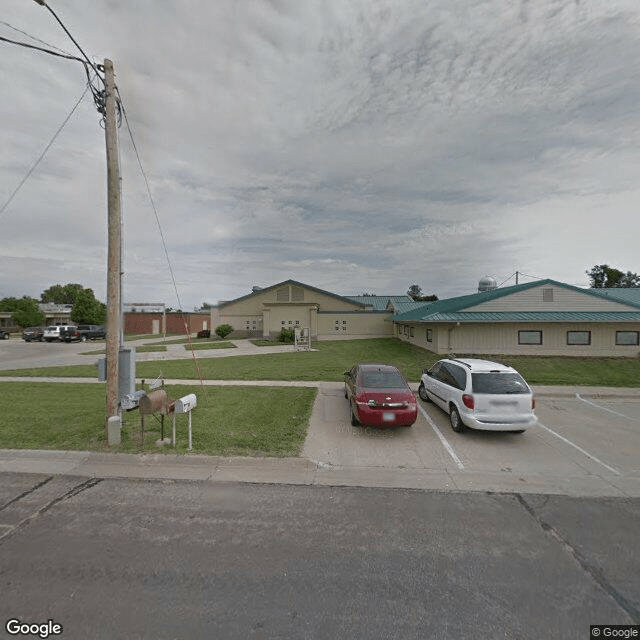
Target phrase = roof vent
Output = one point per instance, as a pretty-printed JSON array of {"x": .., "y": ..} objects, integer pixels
[
  {"x": 255, "y": 289},
  {"x": 487, "y": 283}
]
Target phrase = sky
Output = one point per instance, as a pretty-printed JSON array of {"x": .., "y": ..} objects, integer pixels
[{"x": 358, "y": 147}]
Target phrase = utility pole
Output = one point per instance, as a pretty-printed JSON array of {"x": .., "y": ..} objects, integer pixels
[{"x": 114, "y": 257}]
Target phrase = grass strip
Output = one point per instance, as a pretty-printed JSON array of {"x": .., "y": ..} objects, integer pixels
[
  {"x": 236, "y": 420},
  {"x": 333, "y": 358}
]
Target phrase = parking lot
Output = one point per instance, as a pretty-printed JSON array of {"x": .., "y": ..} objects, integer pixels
[{"x": 584, "y": 445}]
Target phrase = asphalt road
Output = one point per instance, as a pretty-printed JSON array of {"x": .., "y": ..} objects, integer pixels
[{"x": 150, "y": 559}]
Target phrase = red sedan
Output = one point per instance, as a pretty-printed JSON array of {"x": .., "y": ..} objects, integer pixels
[{"x": 379, "y": 396}]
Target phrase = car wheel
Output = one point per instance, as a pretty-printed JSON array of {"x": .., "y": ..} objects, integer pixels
[
  {"x": 354, "y": 420},
  {"x": 455, "y": 420},
  {"x": 422, "y": 392}
]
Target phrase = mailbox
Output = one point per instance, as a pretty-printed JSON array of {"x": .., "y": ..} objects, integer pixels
[
  {"x": 154, "y": 402},
  {"x": 186, "y": 403},
  {"x": 131, "y": 401}
]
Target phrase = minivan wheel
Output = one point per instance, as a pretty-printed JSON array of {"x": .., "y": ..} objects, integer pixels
[
  {"x": 422, "y": 392},
  {"x": 454, "y": 419}
]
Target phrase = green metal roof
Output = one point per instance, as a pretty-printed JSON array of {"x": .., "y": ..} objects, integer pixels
[
  {"x": 533, "y": 316},
  {"x": 623, "y": 294},
  {"x": 380, "y": 303},
  {"x": 453, "y": 309}
]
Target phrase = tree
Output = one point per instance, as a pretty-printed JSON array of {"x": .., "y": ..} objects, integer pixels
[
  {"x": 61, "y": 294},
  {"x": 603, "y": 276},
  {"x": 415, "y": 293},
  {"x": 88, "y": 310},
  {"x": 25, "y": 311}
]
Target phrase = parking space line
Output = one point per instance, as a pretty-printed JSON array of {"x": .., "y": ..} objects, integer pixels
[
  {"x": 605, "y": 408},
  {"x": 446, "y": 445},
  {"x": 580, "y": 449}
]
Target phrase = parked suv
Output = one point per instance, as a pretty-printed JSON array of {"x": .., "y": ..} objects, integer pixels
[
  {"x": 479, "y": 394},
  {"x": 56, "y": 332},
  {"x": 32, "y": 333}
]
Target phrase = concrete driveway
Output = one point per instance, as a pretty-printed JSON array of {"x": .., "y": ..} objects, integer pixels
[{"x": 584, "y": 445}]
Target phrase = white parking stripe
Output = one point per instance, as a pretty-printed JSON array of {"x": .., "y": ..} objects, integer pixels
[
  {"x": 605, "y": 408},
  {"x": 446, "y": 445},
  {"x": 580, "y": 449}
]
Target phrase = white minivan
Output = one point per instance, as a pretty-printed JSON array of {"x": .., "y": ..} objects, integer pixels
[{"x": 479, "y": 394}]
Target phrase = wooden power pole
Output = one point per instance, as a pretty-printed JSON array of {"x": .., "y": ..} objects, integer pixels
[{"x": 114, "y": 258}]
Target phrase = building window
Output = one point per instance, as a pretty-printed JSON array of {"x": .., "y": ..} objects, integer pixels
[
  {"x": 627, "y": 338},
  {"x": 578, "y": 337},
  {"x": 344, "y": 328},
  {"x": 337, "y": 321},
  {"x": 429, "y": 335},
  {"x": 297, "y": 321},
  {"x": 547, "y": 295},
  {"x": 399, "y": 329},
  {"x": 411, "y": 332},
  {"x": 529, "y": 337},
  {"x": 337, "y": 327},
  {"x": 282, "y": 322}
]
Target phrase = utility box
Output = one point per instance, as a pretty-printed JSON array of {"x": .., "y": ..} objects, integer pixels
[{"x": 126, "y": 371}]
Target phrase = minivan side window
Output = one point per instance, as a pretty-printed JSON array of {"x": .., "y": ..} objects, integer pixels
[{"x": 457, "y": 377}]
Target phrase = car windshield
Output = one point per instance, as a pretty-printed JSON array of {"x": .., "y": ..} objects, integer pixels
[
  {"x": 492, "y": 382},
  {"x": 382, "y": 380}
]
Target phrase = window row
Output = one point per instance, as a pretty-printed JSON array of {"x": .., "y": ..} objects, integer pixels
[{"x": 623, "y": 338}]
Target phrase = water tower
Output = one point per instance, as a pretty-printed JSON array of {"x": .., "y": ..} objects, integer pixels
[{"x": 487, "y": 283}]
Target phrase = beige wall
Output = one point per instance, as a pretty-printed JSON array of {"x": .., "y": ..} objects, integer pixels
[
  {"x": 502, "y": 338},
  {"x": 563, "y": 300},
  {"x": 354, "y": 325}
]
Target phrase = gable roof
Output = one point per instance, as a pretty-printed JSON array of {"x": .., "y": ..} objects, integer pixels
[
  {"x": 453, "y": 309},
  {"x": 628, "y": 295},
  {"x": 294, "y": 283},
  {"x": 381, "y": 303}
]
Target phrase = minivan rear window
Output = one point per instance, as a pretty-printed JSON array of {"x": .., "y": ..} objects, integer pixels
[{"x": 491, "y": 382}]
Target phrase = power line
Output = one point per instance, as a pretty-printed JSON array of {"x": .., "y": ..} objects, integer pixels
[
  {"x": 49, "y": 51},
  {"x": 42, "y": 155},
  {"x": 53, "y": 13},
  {"x": 24, "y": 33},
  {"x": 164, "y": 244}
]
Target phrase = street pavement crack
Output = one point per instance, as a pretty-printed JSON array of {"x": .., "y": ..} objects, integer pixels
[
  {"x": 593, "y": 571},
  {"x": 27, "y": 492},
  {"x": 87, "y": 484}
]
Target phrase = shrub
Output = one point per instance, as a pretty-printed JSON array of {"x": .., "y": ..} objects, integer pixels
[
  {"x": 205, "y": 333},
  {"x": 287, "y": 335},
  {"x": 223, "y": 330}
]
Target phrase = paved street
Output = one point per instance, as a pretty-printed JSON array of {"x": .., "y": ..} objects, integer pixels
[{"x": 162, "y": 559}]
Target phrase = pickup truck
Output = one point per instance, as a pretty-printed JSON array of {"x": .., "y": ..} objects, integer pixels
[{"x": 91, "y": 331}]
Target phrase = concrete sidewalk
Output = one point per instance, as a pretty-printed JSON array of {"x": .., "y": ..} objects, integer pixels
[{"x": 301, "y": 471}]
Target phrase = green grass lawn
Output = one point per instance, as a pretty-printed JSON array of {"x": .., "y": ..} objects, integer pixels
[
  {"x": 212, "y": 344},
  {"x": 269, "y": 421},
  {"x": 332, "y": 358}
]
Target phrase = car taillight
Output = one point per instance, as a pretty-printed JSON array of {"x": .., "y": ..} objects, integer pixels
[
  {"x": 468, "y": 401},
  {"x": 533, "y": 403}
]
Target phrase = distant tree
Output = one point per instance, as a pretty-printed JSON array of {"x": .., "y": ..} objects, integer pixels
[
  {"x": 24, "y": 311},
  {"x": 88, "y": 310},
  {"x": 61, "y": 294},
  {"x": 603, "y": 276},
  {"x": 223, "y": 330},
  {"x": 415, "y": 293},
  {"x": 206, "y": 306}
]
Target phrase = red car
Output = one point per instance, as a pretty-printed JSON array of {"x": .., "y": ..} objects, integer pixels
[{"x": 379, "y": 396}]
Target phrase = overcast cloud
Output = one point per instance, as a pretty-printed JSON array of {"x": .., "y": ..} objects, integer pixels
[{"x": 356, "y": 146}]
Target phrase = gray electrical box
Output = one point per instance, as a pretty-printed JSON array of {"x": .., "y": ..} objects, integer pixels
[{"x": 126, "y": 371}]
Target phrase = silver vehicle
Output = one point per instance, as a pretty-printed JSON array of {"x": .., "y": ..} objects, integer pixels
[
  {"x": 55, "y": 332},
  {"x": 479, "y": 394}
]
